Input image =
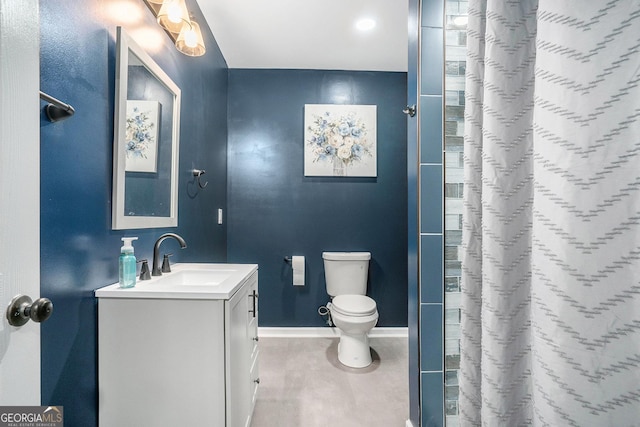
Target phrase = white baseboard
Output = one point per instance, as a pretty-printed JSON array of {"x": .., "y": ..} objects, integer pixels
[
  {"x": 409, "y": 424},
  {"x": 327, "y": 332}
]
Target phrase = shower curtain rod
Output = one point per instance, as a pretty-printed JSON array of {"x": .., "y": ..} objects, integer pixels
[{"x": 56, "y": 110}]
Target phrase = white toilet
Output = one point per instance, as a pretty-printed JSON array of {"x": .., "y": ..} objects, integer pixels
[{"x": 353, "y": 313}]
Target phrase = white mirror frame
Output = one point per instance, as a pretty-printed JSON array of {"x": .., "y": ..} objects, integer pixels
[{"x": 120, "y": 221}]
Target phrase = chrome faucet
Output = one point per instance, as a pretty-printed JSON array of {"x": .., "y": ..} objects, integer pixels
[{"x": 156, "y": 270}]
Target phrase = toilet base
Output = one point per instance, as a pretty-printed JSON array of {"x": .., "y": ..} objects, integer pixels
[{"x": 354, "y": 350}]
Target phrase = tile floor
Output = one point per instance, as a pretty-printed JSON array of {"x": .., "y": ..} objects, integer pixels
[{"x": 302, "y": 384}]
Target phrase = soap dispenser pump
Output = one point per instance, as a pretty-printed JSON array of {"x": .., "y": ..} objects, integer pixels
[{"x": 127, "y": 263}]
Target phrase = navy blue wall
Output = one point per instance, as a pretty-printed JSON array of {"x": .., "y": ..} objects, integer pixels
[
  {"x": 275, "y": 211},
  {"x": 78, "y": 248}
]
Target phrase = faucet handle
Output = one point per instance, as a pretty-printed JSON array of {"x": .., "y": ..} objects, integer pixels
[
  {"x": 144, "y": 270},
  {"x": 166, "y": 268}
]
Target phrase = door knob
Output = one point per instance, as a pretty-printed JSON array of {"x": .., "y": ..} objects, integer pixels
[{"x": 22, "y": 308}]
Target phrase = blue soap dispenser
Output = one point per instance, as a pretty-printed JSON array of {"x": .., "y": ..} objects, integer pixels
[{"x": 127, "y": 264}]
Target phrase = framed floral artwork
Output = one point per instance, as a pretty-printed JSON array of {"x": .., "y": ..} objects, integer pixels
[
  {"x": 340, "y": 140},
  {"x": 142, "y": 136}
]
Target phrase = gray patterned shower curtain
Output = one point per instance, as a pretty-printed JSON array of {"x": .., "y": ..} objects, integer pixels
[{"x": 551, "y": 231}]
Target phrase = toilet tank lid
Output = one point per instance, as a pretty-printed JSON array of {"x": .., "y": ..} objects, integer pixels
[{"x": 346, "y": 256}]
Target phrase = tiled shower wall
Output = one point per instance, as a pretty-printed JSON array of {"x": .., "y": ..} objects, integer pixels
[
  {"x": 430, "y": 208},
  {"x": 441, "y": 127}
]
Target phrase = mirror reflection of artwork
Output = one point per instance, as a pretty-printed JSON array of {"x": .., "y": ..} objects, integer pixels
[
  {"x": 142, "y": 136},
  {"x": 340, "y": 140}
]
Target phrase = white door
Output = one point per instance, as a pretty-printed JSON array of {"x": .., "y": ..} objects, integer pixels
[{"x": 19, "y": 197}]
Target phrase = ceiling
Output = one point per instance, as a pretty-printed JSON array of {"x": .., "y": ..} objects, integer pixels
[{"x": 309, "y": 34}]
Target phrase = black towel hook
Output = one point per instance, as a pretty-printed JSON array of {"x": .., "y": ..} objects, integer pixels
[{"x": 198, "y": 173}]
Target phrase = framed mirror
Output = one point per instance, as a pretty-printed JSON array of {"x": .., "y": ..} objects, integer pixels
[{"x": 146, "y": 141}]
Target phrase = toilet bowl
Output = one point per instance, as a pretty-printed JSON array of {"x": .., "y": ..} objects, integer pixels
[
  {"x": 354, "y": 316},
  {"x": 352, "y": 312}
]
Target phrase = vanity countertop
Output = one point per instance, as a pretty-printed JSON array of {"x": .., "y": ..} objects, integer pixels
[{"x": 187, "y": 281}]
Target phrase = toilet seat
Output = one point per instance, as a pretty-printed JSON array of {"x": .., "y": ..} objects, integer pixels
[{"x": 354, "y": 305}]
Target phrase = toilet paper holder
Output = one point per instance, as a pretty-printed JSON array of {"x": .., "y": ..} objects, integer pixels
[{"x": 297, "y": 264}]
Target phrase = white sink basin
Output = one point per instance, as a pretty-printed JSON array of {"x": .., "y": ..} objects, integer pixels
[
  {"x": 186, "y": 281},
  {"x": 194, "y": 278}
]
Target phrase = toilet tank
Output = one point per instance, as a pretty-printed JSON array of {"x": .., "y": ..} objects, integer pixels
[{"x": 346, "y": 272}]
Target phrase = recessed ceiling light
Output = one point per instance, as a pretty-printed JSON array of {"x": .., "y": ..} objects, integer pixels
[{"x": 365, "y": 24}]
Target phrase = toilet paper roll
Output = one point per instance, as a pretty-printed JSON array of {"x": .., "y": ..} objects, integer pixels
[{"x": 297, "y": 262}]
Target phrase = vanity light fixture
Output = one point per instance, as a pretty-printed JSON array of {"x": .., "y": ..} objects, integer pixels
[
  {"x": 190, "y": 40},
  {"x": 173, "y": 16}
]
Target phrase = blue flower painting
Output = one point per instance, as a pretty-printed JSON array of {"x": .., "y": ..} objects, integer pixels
[
  {"x": 142, "y": 136},
  {"x": 340, "y": 140}
]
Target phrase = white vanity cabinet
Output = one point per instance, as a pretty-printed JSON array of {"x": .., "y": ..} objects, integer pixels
[{"x": 178, "y": 358}]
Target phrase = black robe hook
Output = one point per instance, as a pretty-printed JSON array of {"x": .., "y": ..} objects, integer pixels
[{"x": 198, "y": 173}]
